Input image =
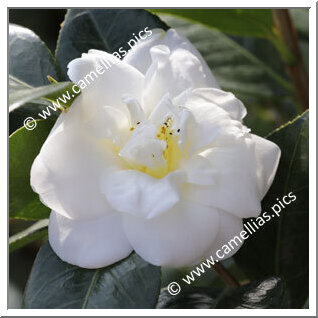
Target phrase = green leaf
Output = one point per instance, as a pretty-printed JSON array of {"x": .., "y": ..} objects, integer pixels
[
  {"x": 281, "y": 246},
  {"x": 266, "y": 293},
  {"x": 21, "y": 95},
  {"x": 106, "y": 30},
  {"x": 130, "y": 283},
  {"x": 190, "y": 298},
  {"x": 243, "y": 22},
  {"x": 29, "y": 59},
  {"x": 34, "y": 232},
  {"x": 24, "y": 145}
]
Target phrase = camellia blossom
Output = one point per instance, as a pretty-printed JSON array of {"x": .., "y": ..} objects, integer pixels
[{"x": 153, "y": 157}]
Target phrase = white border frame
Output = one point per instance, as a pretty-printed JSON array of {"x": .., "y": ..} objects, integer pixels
[{"x": 312, "y": 161}]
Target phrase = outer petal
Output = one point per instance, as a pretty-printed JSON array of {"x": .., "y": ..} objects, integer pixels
[
  {"x": 140, "y": 57},
  {"x": 101, "y": 122},
  {"x": 177, "y": 238},
  {"x": 236, "y": 188},
  {"x": 268, "y": 155},
  {"x": 89, "y": 244},
  {"x": 172, "y": 72},
  {"x": 67, "y": 170},
  {"x": 224, "y": 100},
  {"x": 114, "y": 79},
  {"x": 175, "y": 40},
  {"x": 200, "y": 171},
  {"x": 216, "y": 117},
  {"x": 228, "y": 235},
  {"x": 139, "y": 194}
]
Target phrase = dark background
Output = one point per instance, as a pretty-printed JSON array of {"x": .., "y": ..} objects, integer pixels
[{"x": 44, "y": 22}]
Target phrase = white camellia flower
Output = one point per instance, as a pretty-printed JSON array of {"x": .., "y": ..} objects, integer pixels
[{"x": 151, "y": 157}]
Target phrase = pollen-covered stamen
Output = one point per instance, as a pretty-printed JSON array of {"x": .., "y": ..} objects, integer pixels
[
  {"x": 137, "y": 114},
  {"x": 171, "y": 153}
]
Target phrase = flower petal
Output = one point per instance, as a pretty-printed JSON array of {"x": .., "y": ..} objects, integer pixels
[
  {"x": 268, "y": 155},
  {"x": 200, "y": 170},
  {"x": 209, "y": 123},
  {"x": 104, "y": 78},
  {"x": 89, "y": 243},
  {"x": 228, "y": 236},
  {"x": 137, "y": 193},
  {"x": 172, "y": 72},
  {"x": 224, "y": 100},
  {"x": 179, "y": 237},
  {"x": 140, "y": 57},
  {"x": 236, "y": 188},
  {"x": 67, "y": 170},
  {"x": 106, "y": 122}
]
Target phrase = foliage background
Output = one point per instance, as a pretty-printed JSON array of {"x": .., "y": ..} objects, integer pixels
[{"x": 252, "y": 68}]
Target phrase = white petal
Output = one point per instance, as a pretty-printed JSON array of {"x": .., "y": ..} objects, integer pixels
[
  {"x": 229, "y": 235},
  {"x": 114, "y": 79},
  {"x": 179, "y": 237},
  {"x": 106, "y": 122},
  {"x": 143, "y": 148},
  {"x": 268, "y": 155},
  {"x": 236, "y": 189},
  {"x": 163, "y": 109},
  {"x": 67, "y": 171},
  {"x": 175, "y": 40},
  {"x": 137, "y": 115},
  {"x": 102, "y": 122},
  {"x": 172, "y": 72},
  {"x": 209, "y": 121},
  {"x": 89, "y": 243},
  {"x": 225, "y": 100},
  {"x": 139, "y": 56},
  {"x": 139, "y": 194},
  {"x": 212, "y": 124},
  {"x": 200, "y": 170}
]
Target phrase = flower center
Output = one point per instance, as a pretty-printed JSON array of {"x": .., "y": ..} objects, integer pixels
[{"x": 155, "y": 143}]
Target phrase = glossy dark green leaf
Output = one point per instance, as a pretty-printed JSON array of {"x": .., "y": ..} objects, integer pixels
[
  {"x": 191, "y": 298},
  {"x": 130, "y": 283},
  {"x": 102, "y": 29},
  {"x": 30, "y": 109},
  {"x": 29, "y": 59},
  {"x": 34, "y": 232},
  {"x": 281, "y": 246},
  {"x": 244, "y": 22},
  {"x": 24, "y": 145},
  {"x": 263, "y": 294}
]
